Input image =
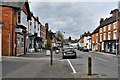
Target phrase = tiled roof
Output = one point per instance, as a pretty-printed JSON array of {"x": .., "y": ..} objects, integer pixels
[
  {"x": 96, "y": 30},
  {"x": 108, "y": 21},
  {"x": 13, "y": 3}
]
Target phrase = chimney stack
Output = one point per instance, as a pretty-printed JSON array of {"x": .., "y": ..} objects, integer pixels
[
  {"x": 113, "y": 12},
  {"x": 37, "y": 18},
  {"x": 46, "y": 25},
  {"x": 101, "y": 20}
]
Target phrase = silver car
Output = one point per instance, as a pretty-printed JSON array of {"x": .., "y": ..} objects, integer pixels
[{"x": 69, "y": 52}]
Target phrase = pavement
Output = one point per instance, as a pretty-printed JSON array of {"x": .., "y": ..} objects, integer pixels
[
  {"x": 37, "y": 65},
  {"x": 0, "y": 70},
  {"x": 109, "y": 54}
]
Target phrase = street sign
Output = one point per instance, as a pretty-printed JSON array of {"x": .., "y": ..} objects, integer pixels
[{"x": 18, "y": 30}]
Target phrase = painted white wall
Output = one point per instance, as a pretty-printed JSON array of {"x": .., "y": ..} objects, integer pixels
[
  {"x": 38, "y": 30},
  {"x": 32, "y": 26},
  {"x": 74, "y": 45},
  {"x": 87, "y": 42}
]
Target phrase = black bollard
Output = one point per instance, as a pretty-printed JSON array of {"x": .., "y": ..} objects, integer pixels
[
  {"x": 51, "y": 57},
  {"x": 89, "y": 66}
]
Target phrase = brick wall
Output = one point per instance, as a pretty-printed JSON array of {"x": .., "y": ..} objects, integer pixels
[{"x": 9, "y": 19}]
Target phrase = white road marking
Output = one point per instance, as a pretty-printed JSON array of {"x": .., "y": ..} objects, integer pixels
[
  {"x": 97, "y": 58},
  {"x": 71, "y": 66},
  {"x": 101, "y": 59}
]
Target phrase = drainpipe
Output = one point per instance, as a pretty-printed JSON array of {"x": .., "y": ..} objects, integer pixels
[{"x": 12, "y": 32}]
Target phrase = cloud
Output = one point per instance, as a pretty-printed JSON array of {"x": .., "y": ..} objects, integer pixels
[{"x": 72, "y": 17}]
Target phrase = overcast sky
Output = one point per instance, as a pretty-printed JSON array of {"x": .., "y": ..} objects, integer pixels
[{"x": 73, "y": 18}]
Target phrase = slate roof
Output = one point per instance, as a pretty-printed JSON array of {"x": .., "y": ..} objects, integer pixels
[
  {"x": 96, "y": 30},
  {"x": 109, "y": 20},
  {"x": 16, "y": 4},
  {"x": 13, "y": 3}
]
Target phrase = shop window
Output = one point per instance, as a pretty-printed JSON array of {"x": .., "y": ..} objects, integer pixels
[
  {"x": 104, "y": 36},
  {"x": 22, "y": 43},
  {"x": 114, "y": 35},
  {"x": 100, "y": 30},
  {"x": 18, "y": 42}
]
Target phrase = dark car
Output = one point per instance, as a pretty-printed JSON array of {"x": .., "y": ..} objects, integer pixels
[
  {"x": 85, "y": 49},
  {"x": 81, "y": 48},
  {"x": 69, "y": 52}
]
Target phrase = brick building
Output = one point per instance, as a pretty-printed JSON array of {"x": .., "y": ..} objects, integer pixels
[
  {"x": 109, "y": 35},
  {"x": 15, "y": 16},
  {"x": 106, "y": 36},
  {"x": 95, "y": 38},
  {"x": 85, "y": 40},
  {"x": 43, "y": 34}
]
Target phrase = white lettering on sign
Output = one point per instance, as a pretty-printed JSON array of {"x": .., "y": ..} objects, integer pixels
[{"x": 18, "y": 30}]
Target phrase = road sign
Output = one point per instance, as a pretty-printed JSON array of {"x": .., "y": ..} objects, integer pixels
[{"x": 18, "y": 30}]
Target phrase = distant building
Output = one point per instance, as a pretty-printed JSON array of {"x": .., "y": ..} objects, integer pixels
[
  {"x": 43, "y": 34},
  {"x": 85, "y": 40},
  {"x": 95, "y": 38}
]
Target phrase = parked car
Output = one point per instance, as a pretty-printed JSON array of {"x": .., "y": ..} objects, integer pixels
[
  {"x": 81, "y": 48},
  {"x": 69, "y": 52},
  {"x": 85, "y": 49}
]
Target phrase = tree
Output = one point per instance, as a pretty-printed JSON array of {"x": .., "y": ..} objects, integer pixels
[
  {"x": 69, "y": 38},
  {"x": 59, "y": 35}
]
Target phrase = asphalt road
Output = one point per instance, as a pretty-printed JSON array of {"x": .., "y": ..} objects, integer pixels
[
  {"x": 37, "y": 65},
  {"x": 103, "y": 66}
]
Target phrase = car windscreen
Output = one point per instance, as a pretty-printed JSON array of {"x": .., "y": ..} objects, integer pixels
[{"x": 68, "y": 49}]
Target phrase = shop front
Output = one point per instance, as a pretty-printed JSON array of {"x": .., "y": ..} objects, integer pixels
[
  {"x": 110, "y": 46},
  {"x": 20, "y": 40}
]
